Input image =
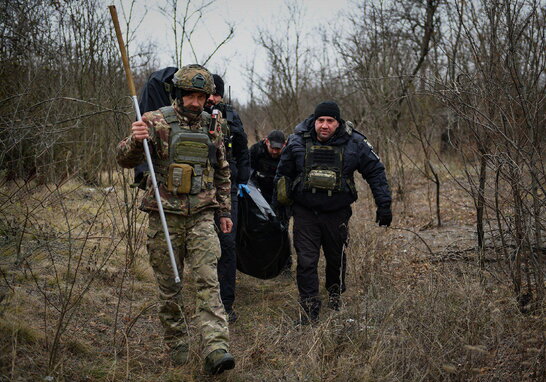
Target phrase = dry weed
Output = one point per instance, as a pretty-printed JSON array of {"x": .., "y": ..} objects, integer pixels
[{"x": 412, "y": 311}]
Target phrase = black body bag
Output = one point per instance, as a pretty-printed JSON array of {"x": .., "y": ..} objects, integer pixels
[{"x": 263, "y": 245}]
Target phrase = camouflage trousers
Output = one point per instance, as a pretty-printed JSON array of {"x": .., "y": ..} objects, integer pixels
[{"x": 195, "y": 244}]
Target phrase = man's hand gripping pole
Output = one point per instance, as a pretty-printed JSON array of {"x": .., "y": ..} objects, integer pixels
[{"x": 131, "y": 85}]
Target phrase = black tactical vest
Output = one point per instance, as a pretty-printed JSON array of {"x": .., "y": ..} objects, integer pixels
[{"x": 323, "y": 167}]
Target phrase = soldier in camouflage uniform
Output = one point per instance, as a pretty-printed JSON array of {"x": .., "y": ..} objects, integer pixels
[{"x": 193, "y": 178}]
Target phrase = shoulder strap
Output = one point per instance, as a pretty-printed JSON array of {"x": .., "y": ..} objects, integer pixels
[
  {"x": 349, "y": 127},
  {"x": 351, "y": 130},
  {"x": 170, "y": 117},
  {"x": 308, "y": 142},
  {"x": 300, "y": 178}
]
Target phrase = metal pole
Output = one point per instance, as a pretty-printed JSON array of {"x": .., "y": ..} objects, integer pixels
[
  {"x": 132, "y": 90},
  {"x": 341, "y": 265}
]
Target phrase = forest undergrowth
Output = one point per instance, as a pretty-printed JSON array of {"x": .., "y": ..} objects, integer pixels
[{"x": 78, "y": 298}]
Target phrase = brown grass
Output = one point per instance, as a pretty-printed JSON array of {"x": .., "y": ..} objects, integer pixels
[{"x": 408, "y": 315}]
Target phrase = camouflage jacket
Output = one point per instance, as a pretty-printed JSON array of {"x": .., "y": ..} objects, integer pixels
[{"x": 130, "y": 153}]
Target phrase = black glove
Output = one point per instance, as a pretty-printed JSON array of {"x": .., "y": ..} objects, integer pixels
[{"x": 383, "y": 216}]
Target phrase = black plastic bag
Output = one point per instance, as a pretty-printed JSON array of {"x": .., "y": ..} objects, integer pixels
[
  {"x": 263, "y": 245},
  {"x": 154, "y": 94}
]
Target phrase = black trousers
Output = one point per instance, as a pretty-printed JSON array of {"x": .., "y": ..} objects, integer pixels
[
  {"x": 227, "y": 264},
  {"x": 313, "y": 230}
]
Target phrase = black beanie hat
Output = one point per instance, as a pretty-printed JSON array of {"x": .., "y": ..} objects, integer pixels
[
  {"x": 219, "y": 84},
  {"x": 328, "y": 109}
]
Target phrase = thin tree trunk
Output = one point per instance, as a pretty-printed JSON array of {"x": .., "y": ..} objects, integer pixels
[{"x": 480, "y": 206}]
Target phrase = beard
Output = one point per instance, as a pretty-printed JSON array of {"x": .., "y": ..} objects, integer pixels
[
  {"x": 193, "y": 109},
  {"x": 190, "y": 112}
]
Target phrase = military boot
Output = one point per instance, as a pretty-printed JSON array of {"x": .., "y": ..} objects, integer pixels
[
  {"x": 286, "y": 271},
  {"x": 180, "y": 354},
  {"x": 231, "y": 316},
  {"x": 334, "y": 301},
  {"x": 218, "y": 361},
  {"x": 334, "y": 297},
  {"x": 310, "y": 311}
]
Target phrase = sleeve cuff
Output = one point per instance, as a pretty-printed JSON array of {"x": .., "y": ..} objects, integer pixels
[
  {"x": 136, "y": 144},
  {"x": 223, "y": 214}
]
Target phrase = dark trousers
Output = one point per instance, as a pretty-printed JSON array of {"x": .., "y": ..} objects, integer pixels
[
  {"x": 313, "y": 230},
  {"x": 227, "y": 264}
]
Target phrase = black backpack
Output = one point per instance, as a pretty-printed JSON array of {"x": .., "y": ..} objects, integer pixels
[{"x": 156, "y": 92}]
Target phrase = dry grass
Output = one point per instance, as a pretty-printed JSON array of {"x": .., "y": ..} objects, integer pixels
[{"x": 408, "y": 315}]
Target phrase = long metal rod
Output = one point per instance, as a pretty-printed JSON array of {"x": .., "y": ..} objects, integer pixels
[{"x": 132, "y": 90}]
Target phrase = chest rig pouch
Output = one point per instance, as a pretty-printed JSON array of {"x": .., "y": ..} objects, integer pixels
[
  {"x": 323, "y": 166},
  {"x": 191, "y": 157}
]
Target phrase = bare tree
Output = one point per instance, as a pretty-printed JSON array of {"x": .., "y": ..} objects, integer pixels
[
  {"x": 500, "y": 99},
  {"x": 385, "y": 49},
  {"x": 57, "y": 107},
  {"x": 186, "y": 19},
  {"x": 289, "y": 70}
]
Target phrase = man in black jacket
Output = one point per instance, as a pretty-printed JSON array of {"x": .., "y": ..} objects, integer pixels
[
  {"x": 239, "y": 164},
  {"x": 316, "y": 173},
  {"x": 264, "y": 159}
]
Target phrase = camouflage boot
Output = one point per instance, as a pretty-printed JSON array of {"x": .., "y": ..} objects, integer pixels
[
  {"x": 218, "y": 361},
  {"x": 180, "y": 354}
]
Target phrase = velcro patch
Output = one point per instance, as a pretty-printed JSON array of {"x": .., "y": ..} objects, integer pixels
[{"x": 198, "y": 81}]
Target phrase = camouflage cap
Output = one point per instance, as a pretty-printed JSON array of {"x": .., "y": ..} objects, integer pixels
[{"x": 194, "y": 78}]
